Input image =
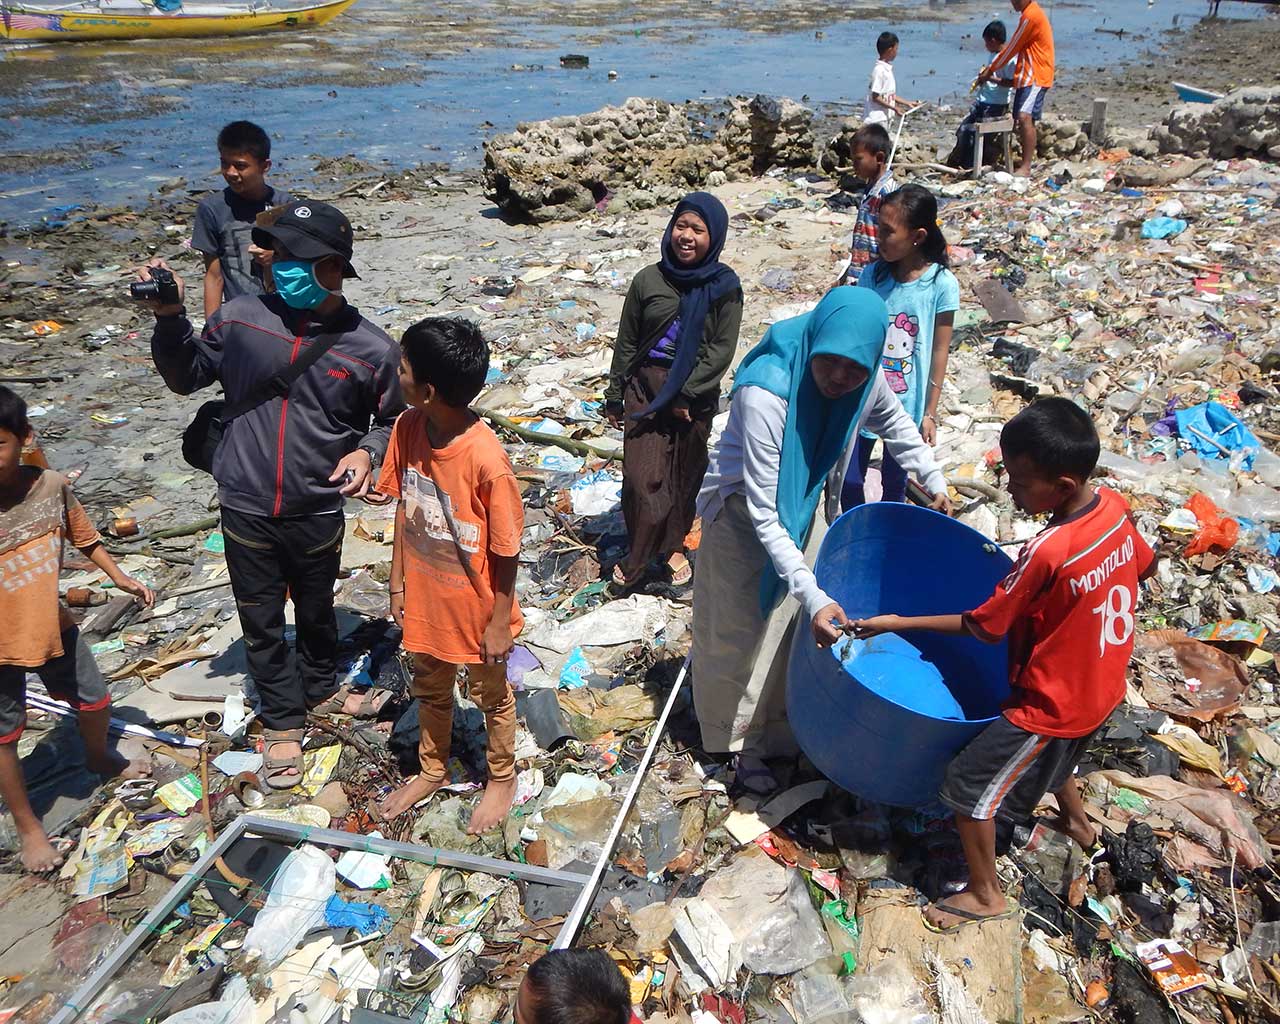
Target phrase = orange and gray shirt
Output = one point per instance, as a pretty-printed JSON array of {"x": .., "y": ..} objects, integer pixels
[{"x": 1032, "y": 45}]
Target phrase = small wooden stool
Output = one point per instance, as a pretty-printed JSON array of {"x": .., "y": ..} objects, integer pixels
[{"x": 1002, "y": 127}]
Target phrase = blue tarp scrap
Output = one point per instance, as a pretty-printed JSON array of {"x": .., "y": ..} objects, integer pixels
[
  {"x": 363, "y": 917},
  {"x": 1211, "y": 427}
]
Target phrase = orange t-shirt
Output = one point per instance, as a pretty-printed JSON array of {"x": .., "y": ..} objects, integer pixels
[
  {"x": 1032, "y": 45},
  {"x": 445, "y": 610},
  {"x": 31, "y": 536}
]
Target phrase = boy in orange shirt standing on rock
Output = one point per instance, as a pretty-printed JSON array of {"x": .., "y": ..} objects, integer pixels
[{"x": 453, "y": 565}]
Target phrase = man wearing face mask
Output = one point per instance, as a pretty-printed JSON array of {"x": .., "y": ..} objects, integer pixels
[{"x": 284, "y": 466}]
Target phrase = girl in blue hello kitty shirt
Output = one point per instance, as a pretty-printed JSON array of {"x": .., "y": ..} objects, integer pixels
[{"x": 923, "y": 296}]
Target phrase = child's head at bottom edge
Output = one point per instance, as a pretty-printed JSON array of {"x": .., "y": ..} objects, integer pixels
[
  {"x": 15, "y": 431},
  {"x": 1050, "y": 450},
  {"x": 443, "y": 359},
  {"x": 573, "y": 986}
]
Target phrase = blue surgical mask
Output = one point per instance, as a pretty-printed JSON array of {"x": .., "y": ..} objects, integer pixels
[{"x": 296, "y": 283}]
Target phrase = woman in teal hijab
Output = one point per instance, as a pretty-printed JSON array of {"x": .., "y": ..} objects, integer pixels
[{"x": 798, "y": 399}]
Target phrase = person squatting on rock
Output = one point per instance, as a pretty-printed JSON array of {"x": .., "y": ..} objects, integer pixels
[
  {"x": 224, "y": 220},
  {"x": 922, "y": 297},
  {"x": 798, "y": 399},
  {"x": 284, "y": 466},
  {"x": 459, "y": 521},
  {"x": 676, "y": 338},
  {"x": 1068, "y": 609},
  {"x": 38, "y": 513}
]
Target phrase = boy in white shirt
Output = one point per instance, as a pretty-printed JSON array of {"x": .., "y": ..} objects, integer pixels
[{"x": 883, "y": 100}]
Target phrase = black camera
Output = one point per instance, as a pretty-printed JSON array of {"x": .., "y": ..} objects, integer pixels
[{"x": 162, "y": 288}]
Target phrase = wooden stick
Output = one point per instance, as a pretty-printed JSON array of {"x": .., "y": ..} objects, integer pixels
[{"x": 532, "y": 436}]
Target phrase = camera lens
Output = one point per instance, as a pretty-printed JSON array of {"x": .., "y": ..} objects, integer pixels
[{"x": 144, "y": 290}]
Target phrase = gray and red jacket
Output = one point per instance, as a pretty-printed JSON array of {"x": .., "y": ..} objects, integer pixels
[{"x": 276, "y": 460}]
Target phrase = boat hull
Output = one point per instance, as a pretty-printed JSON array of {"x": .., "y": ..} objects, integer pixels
[
  {"x": 22, "y": 23},
  {"x": 1190, "y": 94}
]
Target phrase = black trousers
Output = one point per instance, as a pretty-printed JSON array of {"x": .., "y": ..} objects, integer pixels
[{"x": 266, "y": 557}]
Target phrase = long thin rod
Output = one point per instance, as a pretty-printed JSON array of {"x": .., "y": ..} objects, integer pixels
[
  {"x": 416, "y": 852},
  {"x": 578, "y": 915},
  {"x": 84, "y": 996}
]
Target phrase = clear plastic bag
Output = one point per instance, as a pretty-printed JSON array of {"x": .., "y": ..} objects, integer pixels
[{"x": 295, "y": 905}]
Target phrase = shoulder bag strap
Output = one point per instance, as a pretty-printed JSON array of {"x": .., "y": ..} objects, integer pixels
[{"x": 278, "y": 385}]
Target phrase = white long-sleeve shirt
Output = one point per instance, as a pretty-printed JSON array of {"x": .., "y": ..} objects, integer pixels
[{"x": 748, "y": 457}]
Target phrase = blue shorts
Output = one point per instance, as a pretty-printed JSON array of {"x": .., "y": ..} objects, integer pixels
[{"x": 1029, "y": 99}]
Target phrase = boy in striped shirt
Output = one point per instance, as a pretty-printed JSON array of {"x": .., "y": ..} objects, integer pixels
[
  {"x": 1032, "y": 46},
  {"x": 1068, "y": 609},
  {"x": 871, "y": 149}
]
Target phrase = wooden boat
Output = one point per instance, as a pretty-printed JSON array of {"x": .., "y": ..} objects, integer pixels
[
  {"x": 73, "y": 20},
  {"x": 1190, "y": 94}
]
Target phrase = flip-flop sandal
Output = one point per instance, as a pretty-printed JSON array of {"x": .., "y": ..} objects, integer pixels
[
  {"x": 368, "y": 708},
  {"x": 968, "y": 917},
  {"x": 276, "y": 770},
  {"x": 743, "y": 776},
  {"x": 680, "y": 577}
]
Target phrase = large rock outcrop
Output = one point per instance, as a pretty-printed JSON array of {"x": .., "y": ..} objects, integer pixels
[
  {"x": 637, "y": 155},
  {"x": 1243, "y": 123}
]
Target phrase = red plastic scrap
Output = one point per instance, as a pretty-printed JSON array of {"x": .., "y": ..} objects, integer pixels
[
  {"x": 723, "y": 1009},
  {"x": 1216, "y": 531}
]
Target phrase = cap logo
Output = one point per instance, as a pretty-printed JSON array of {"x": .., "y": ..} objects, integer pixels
[{"x": 302, "y": 212}]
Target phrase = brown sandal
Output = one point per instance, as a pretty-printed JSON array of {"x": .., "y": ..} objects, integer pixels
[
  {"x": 369, "y": 705},
  {"x": 276, "y": 770}
]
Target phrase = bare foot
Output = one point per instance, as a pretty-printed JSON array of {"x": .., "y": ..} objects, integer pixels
[
  {"x": 407, "y": 797},
  {"x": 494, "y": 806},
  {"x": 1022, "y": 172},
  {"x": 1081, "y": 831},
  {"x": 936, "y": 913},
  {"x": 38, "y": 854},
  {"x": 115, "y": 765}
]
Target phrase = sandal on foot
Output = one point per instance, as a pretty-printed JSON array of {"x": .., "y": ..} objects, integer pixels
[
  {"x": 967, "y": 917},
  {"x": 276, "y": 770},
  {"x": 368, "y": 708},
  {"x": 683, "y": 575}
]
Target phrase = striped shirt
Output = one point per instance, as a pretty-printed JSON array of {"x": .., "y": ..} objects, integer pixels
[
  {"x": 866, "y": 232},
  {"x": 1032, "y": 45}
]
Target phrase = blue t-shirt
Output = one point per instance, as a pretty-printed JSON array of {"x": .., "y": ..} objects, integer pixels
[
  {"x": 908, "y": 344},
  {"x": 993, "y": 93}
]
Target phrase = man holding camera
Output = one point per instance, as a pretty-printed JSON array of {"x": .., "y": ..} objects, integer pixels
[{"x": 312, "y": 391}]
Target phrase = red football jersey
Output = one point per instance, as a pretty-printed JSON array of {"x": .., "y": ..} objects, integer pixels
[{"x": 1068, "y": 608}]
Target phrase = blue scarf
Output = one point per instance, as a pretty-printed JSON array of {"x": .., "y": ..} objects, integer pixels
[
  {"x": 700, "y": 286},
  {"x": 848, "y": 322}
]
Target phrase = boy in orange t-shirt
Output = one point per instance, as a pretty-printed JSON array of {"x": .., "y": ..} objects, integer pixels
[
  {"x": 38, "y": 513},
  {"x": 453, "y": 565}
]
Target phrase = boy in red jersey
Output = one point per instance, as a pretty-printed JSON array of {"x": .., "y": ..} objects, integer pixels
[{"x": 1068, "y": 610}]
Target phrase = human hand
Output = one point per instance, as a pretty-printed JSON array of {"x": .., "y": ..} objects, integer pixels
[
  {"x": 941, "y": 503},
  {"x": 137, "y": 589},
  {"x": 680, "y": 411},
  {"x": 865, "y": 628},
  {"x": 143, "y": 273},
  {"x": 496, "y": 643},
  {"x": 261, "y": 256},
  {"x": 828, "y": 624},
  {"x": 929, "y": 429},
  {"x": 614, "y": 413},
  {"x": 397, "y": 607},
  {"x": 358, "y": 469}
]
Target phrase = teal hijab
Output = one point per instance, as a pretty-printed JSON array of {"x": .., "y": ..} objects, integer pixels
[{"x": 848, "y": 322}]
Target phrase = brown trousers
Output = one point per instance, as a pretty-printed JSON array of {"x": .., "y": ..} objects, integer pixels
[
  {"x": 664, "y": 461},
  {"x": 433, "y": 682}
]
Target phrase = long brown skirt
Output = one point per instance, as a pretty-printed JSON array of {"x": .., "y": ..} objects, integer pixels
[{"x": 664, "y": 461}]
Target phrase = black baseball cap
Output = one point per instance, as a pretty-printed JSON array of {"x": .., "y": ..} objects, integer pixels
[{"x": 310, "y": 230}]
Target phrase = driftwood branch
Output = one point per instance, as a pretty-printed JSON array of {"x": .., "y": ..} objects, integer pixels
[{"x": 534, "y": 437}]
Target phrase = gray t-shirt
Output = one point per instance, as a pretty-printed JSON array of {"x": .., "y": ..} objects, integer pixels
[{"x": 224, "y": 226}]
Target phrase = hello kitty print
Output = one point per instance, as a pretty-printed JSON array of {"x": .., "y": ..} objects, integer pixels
[{"x": 899, "y": 347}]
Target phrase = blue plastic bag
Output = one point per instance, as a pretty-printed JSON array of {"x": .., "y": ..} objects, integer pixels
[
  {"x": 1203, "y": 425},
  {"x": 1163, "y": 227}
]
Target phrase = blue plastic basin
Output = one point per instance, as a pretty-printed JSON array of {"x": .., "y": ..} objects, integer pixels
[{"x": 882, "y": 718}]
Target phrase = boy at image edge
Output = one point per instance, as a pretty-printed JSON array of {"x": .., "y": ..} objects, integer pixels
[
  {"x": 459, "y": 520},
  {"x": 1068, "y": 608}
]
